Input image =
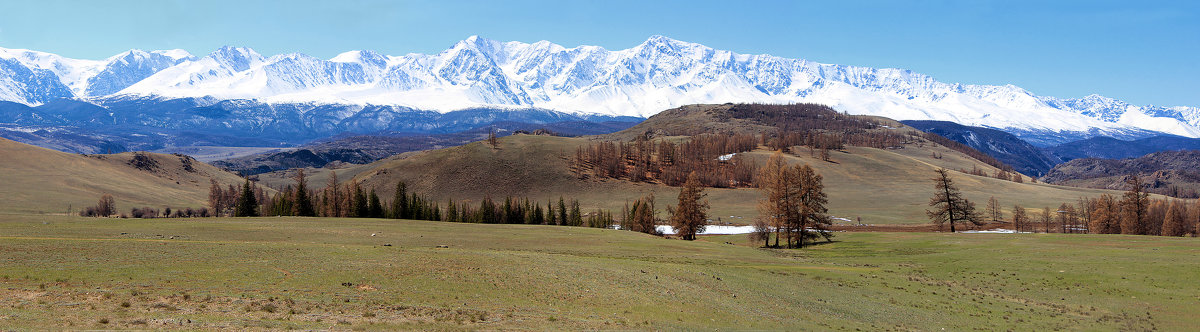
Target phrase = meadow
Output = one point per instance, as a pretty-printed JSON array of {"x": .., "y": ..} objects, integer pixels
[{"x": 373, "y": 274}]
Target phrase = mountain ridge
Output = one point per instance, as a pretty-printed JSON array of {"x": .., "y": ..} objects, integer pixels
[{"x": 659, "y": 73}]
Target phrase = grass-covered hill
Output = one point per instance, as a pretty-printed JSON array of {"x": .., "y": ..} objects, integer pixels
[
  {"x": 882, "y": 186},
  {"x": 39, "y": 180}
]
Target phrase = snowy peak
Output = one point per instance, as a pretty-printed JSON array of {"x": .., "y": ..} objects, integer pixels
[
  {"x": 236, "y": 58},
  {"x": 656, "y": 74}
]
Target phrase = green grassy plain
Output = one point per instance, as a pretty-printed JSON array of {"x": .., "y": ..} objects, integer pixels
[{"x": 317, "y": 273}]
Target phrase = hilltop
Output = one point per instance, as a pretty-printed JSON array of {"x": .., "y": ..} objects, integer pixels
[
  {"x": 880, "y": 185},
  {"x": 39, "y": 180}
]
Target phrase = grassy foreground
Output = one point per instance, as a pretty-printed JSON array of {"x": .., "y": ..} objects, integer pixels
[{"x": 310, "y": 273}]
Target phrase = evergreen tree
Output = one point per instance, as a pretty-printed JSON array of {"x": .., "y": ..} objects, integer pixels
[
  {"x": 247, "y": 205},
  {"x": 576, "y": 216},
  {"x": 361, "y": 206},
  {"x": 689, "y": 217},
  {"x": 400, "y": 201},
  {"x": 451, "y": 211},
  {"x": 302, "y": 205},
  {"x": 641, "y": 217},
  {"x": 949, "y": 204},
  {"x": 562, "y": 212},
  {"x": 374, "y": 206}
]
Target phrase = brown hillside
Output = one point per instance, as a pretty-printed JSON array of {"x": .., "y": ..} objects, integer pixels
[
  {"x": 46, "y": 181},
  {"x": 1172, "y": 173},
  {"x": 883, "y": 186}
]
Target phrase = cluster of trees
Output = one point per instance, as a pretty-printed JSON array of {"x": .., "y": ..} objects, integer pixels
[
  {"x": 353, "y": 201},
  {"x": 670, "y": 163},
  {"x": 105, "y": 207},
  {"x": 1135, "y": 212},
  {"x": 687, "y": 218},
  {"x": 793, "y": 204}
]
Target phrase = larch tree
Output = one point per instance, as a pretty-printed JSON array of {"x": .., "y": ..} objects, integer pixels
[
  {"x": 1174, "y": 223},
  {"x": 106, "y": 206},
  {"x": 641, "y": 216},
  {"x": 216, "y": 197},
  {"x": 1046, "y": 218},
  {"x": 993, "y": 209},
  {"x": 1134, "y": 205},
  {"x": 773, "y": 182},
  {"x": 688, "y": 218},
  {"x": 949, "y": 204},
  {"x": 1106, "y": 215},
  {"x": 333, "y": 197},
  {"x": 1019, "y": 218},
  {"x": 813, "y": 221}
]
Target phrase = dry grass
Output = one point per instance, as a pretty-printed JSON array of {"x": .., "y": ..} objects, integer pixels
[{"x": 38, "y": 180}]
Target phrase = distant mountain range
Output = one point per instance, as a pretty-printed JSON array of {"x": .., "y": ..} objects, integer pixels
[{"x": 362, "y": 90}]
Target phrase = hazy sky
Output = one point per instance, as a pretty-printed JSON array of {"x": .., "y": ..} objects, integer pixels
[{"x": 1144, "y": 52}]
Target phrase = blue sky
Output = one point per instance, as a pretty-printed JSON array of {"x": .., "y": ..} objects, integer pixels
[{"x": 1144, "y": 52}]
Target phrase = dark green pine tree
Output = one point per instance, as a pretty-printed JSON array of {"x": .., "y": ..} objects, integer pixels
[
  {"x": 247, "y": 205},
  {"x": 400, "y": 201},
  {"x": 360, "y": 202},
  {"x": 562, "y": 212},
  {"x": 374, "y": 206},
  {"x": 302, "y": 205}
]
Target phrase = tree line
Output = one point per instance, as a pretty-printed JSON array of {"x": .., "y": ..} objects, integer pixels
[{"x": 1135, "y": 212}]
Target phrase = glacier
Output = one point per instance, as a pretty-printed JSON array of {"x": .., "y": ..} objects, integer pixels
[{"x": 658, "y": 74}]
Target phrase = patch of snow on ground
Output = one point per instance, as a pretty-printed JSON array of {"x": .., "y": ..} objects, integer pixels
[
  {"x": 713, "y": 230},
  {"x": 998, "y": 230},
  {"x": 726, "y": 157}
]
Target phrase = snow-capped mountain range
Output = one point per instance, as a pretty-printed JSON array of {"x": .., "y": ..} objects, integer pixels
[{"x": 655, "y": 75}]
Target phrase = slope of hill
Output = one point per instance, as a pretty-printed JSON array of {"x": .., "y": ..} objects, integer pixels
[
  {"x": 1172, "y": 173},
  {"x": 882, "y": 186},
  {"x": 1111, "y": 148},
  {"x": 46, "y": 181},
  {"x": 369, "y": 148},
  {"x": 1011, "y": 150}
]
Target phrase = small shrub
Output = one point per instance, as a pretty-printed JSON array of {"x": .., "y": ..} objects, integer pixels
[
  {"x": 125, "y": 304},
  {"x": 104, "y": 321}
]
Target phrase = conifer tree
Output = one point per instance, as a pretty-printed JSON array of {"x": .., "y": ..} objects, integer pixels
[
  {"x": 774, "y": 207},
  {"x": 374, "y": 206},
  {"x": 562, "y": 212},
  {"x": 949, "y": 204},
  {"x": 1020, "y": 219},
  {"x": 688, "y": 218},
  {"x": 361, "y": 208},
  {"x": 302, "y": 204},
  {"x": 247, "y": 205},
  {"x": 400, "y": 201},
  {"x": 1046, "y": 219},
  {"x": 993, "y": 209},
  {"x": 1134, "y": 205},
  {"x": 1174, "y": 224},
  {"x": 1105, "y": 215},
  {"x": 576, "y": 215},
  {"x": 813, "y": 220},
  {"x": 333, "y": 197}
]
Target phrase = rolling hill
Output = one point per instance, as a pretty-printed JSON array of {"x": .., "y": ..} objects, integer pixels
[
  {"x": 882, "y": 186},
  {"x": 39, "y": 180},
  {"x": 1171, "y": 173}
]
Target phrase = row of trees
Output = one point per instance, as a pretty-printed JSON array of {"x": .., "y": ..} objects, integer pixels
[
  {"x": 352, "y": 200},
  {"x": 670, "y": 163},
  {"x": 1134, "y": 213}
]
